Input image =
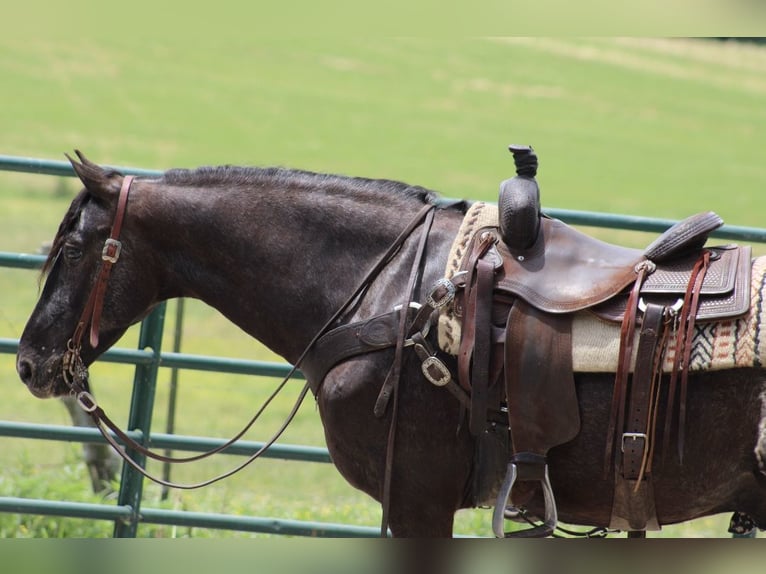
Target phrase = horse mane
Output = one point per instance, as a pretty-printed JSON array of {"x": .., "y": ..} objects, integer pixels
[{"x": 229, "y": 175}]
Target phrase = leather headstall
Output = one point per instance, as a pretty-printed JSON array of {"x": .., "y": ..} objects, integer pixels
[{"x": 91, "y": 314}]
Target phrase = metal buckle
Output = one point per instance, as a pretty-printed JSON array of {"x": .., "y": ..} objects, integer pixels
[
  {"x": 105, "y": 251},
  {"x": 445, "y": 377},
  {"x": 416, "y": 306},
  {"x": 633, "y": 436},
  {"x": 411, "y": 305},
  {"x": 87, "y": 401},
  {"x": 446, "y": 297},
  {"x": 671, "y": 310}
]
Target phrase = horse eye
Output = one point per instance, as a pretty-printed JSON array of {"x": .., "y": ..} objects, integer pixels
[{"x": 72, "y": 253}]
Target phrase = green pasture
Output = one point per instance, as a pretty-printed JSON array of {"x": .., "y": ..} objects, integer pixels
[{"x": 653, "y": 127}]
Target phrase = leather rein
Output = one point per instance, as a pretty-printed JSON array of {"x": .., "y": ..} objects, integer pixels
[{"x": 75, "y": 373}]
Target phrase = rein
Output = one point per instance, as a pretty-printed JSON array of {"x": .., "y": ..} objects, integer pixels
[{"x": 75, "y": 373}]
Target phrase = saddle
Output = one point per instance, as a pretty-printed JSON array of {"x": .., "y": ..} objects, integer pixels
[{"x": 516, "y": 290}]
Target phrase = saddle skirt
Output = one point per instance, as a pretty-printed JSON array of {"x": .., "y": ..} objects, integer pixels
[{"x": 732, "y": 342}]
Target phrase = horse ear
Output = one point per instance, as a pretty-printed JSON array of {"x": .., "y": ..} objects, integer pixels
[{"x": 104, "y": 183}]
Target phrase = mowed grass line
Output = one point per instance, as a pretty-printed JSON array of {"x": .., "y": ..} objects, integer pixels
[{"x": 652, "y": 127}]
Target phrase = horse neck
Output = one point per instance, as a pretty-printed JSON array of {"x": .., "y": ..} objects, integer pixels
[{"x": 276, "y": 263}]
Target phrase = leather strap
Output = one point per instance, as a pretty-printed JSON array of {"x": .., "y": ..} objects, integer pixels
[
  {"x": 346, "y": 341},
  {"x": 684, "y": 342},
  {"x": 468, "y": 336},
  {"x": 482, "y": 319},
  {"x": 88, "y": 404},
  {"x": 391, "y": 384},
  {"x": 91, "y": 314},
  {"x": 627, "y": 334},
  {"x": 424, "y": 351},
  {"x": 635, "y": 442},
  {"x": 370, "y": 335},
  {"x": 633, "y": 506}
]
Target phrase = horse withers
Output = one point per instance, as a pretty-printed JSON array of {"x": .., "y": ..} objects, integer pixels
[{"x": 279, "y": 252}]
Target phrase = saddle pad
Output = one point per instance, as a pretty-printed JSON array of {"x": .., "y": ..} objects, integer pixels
[
  {"x": 717, "y": 345},
  {"x": 478, "y": 216}
]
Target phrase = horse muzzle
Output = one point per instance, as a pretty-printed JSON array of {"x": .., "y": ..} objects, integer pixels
[{"x": 44, "y": 380}]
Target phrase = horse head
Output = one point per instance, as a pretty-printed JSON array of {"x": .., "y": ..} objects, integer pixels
[{"x": 60, "y": 331}]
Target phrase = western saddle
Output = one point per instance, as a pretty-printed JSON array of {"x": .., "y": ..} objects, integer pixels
[
  {"x": 517, "y": 286},
  {"x": 515, "y": 292}
]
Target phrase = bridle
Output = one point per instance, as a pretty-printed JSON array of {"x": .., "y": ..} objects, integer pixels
[
  {"x": 75, "y": 373},
  {"x": 91, "y": 313}
]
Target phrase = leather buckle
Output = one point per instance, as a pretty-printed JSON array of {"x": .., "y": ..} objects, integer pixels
[
  {"x": 87, "y": 401},
  {"x": 111, "y": 250},
  {"x": 442, "y": 376},
  {"x": 442, "y": 293}
]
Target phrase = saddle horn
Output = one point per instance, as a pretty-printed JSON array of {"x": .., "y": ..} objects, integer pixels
[{"x": 519, "y": 201}]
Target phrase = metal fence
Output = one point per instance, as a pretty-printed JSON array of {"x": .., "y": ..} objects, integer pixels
[{"x": 149, "y": 357}]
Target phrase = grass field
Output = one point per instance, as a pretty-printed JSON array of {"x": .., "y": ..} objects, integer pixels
[{"x": 652, "y": 127}]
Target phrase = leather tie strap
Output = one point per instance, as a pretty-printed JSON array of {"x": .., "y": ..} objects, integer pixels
[{"x": 684, "y": 342}]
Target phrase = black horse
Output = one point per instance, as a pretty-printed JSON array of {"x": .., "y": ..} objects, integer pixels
[{"x": 278, "y": 252}]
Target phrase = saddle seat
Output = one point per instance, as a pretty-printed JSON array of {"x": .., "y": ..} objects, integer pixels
[{"x": 565, "y": 271}]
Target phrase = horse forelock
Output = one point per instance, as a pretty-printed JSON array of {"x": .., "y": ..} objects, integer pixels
[
  {"x": 66, "y": 225},
  {"x": 256, "y": 177}
]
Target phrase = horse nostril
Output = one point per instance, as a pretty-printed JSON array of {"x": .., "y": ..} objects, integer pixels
[{"x": 25, "y": 370}]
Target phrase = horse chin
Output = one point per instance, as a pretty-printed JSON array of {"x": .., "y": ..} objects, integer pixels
[{"x": 51, "y": 390}]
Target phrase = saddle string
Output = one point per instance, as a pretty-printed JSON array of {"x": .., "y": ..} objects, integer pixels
[
  {"x": 684, "y": 340},
  {"x": 654, "y": 401},
  {"x": 75, "y": 373}
]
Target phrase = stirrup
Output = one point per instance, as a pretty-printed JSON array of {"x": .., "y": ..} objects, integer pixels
[{"x": 503, "y": 499}]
